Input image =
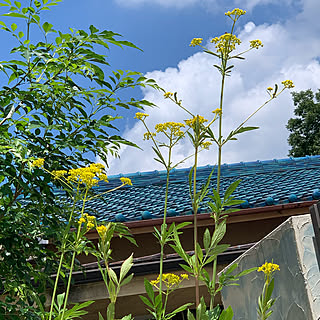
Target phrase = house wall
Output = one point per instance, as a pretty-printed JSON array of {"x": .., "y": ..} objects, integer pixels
[{"x": 297, "y": 284}]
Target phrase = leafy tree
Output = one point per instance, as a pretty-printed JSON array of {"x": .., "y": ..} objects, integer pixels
[
  {"x": 304, "y": 138},
  {"x": 56, "y": 104}
]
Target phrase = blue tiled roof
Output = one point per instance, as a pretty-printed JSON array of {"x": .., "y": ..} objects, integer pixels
[{"x": 262, "y": 183}]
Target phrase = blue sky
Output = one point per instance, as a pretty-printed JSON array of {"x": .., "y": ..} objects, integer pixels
[{"x": 289, "y": 30}]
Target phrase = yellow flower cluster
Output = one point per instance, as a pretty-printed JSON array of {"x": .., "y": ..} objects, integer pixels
[
  {"x": 195, "y": 42},
  {"x": 58, "y": 174},
  {"x": 226, "y": 42},
  {"x": 170, "y": 280},
  {"x": 269, "y": 268},
  {"x": 172, "y": 128},
  {"x": 37, "y": 163},
  {"x": 288, "y": 84},
  {"x": 206, "y": 144},
  {"x": 102, "y": 230},
  {"x": 168, "y": 95},
  {"x": 126, "y": 181},
  {"x": 192, "y": 122},
  {"x": 89, "y": 220},
  {"x": 148, "y": 135},
  {"x": 217, "y": 111},
  {"x": 89, "y": 176},
  {"x": 269, "y": 88},
  {"x": 235, "y": 13},
  {"x": 141, "y": 116},
  {"x": 256, "y": 44}
]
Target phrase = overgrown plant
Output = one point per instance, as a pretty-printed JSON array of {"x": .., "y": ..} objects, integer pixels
[
  {"x": 78, "y": 183},
  {"x": 56, "y": 103},
  {"x": 265, "y": 302},
  {"x": 225, "y": 46},
  {"x": 173, "y": 133},
  {"x": 157, "y": 305},
  {"x": 103, "y": 254}
]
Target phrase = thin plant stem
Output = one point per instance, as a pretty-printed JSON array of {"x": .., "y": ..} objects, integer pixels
[
  {"x": 62, "y": 255},
  {"x": 164, "y": 224},
  {"x": 73, "y": 258},
  {"x": 195, "y": 226}
]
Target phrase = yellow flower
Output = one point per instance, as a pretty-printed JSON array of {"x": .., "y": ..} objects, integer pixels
[
  {"x": 206, "y": 145},
  {"x": 141, "y": 116},
  {"x": 255, "y": 44},
  {"x": 192, "y": 122},
  {"x": 218, "y": 111},
  {"x": 196, "y": 42},
  {"x": 268, "y": 268},
  {"x": 288, "y": 84},
  {"x": 168, "y": 95},
  {"x": 82, "y": 220},
  {"x": 170, "y": 280},
  {"x": 38, "y": 163},
  {"x": 171, "y": 128},
  {"x": 58, "y": 174},
  {"x": 235, "y": 13},
  {"x": 226, "y": 42},
  {"x": 90, "y": 176},
  {"x": 126, "y": 181},
  {"x": 90, "y": 225},
  {"x": 102, "y": 230},
  {"x": 148, "y": 135},
  {"x": 90, "y": 218},
  {"x": 269, "y": 88},
  {"x": 103, "y": 177}
]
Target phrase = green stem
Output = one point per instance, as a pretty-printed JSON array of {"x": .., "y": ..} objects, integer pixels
[
  {"x": 164, "y": 222},
  {"x": 165, "y": 304},
  {"x": 62, "y": 256},
  {"x": 73, "y": 258},
  {"x": 55, "y": 286},
  {"x": 214, "y": 273},
  {"x": 195, "y": 226}
]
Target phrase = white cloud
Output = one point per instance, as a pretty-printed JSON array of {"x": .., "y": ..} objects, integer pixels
[{"x": 289, "y": 52}]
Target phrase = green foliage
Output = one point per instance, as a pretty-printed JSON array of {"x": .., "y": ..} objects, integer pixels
[
  {"x": 265, "y": 302},
  {"x": 304, "y": 128},
  {"x": 56, "y": 104},
  {"x": 156, "y": 305},
  {"x": 103, "y": 253}
]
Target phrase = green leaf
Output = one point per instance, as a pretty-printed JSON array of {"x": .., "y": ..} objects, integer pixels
[
  {"x": 14, "y": 27},
  {"x": 112, "y": 276},
  {"x": 206, "y": 239},
  {"x": 190, "y": 316},
  {"x": 245, "y": 272},
  {"x": 47, "y": 27},
  {"x": 100, "y": 316},
  {"x": 149, "y": 289},
  {"x": 219, "y": 233},
  {"x": 233, "y": 186},
  {"x": 60, "y": 299},
  {"x": 231, "y": 268},
  {"x": 214, "y": 313},
  {"x": 126, "y": 280},
  {"x": 15, "y": 15},
  {"x": 125, "y": 268},
  {"x": 270, "y": 289},
  {"x": 180, "y": 309},
  {"x": 244, "y": 129},
  {"x": 226, "y": 314},
  {"x": 146, "y": 301}
]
